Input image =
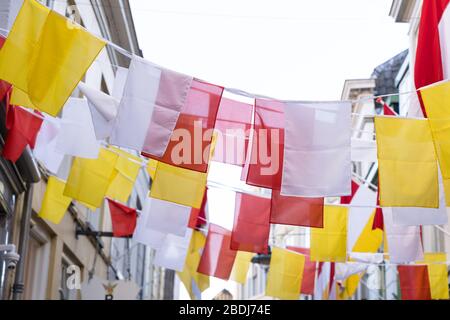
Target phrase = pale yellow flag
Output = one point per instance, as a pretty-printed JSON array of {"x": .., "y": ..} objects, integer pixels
[
  {"x": 55, "y": 204},
  {"x": 436, "y": 99},
  {"x": 46, "y": 55},
  {"x": 189, "y": 276},
  {"x": 126, "y": 172},
  {"x": 178, "y": 185},
  {"x": 368, "y": 241},
  {"x": 151, "y": 168},
  {"x": 241, "y": 265},
  {"x": 437, "y": 274},
  {"x": 284, "y": 279},
  {"x": 408, "y": 170},
  {"x": 330, "y": 242},
  {"x": 89, "y": 178}
]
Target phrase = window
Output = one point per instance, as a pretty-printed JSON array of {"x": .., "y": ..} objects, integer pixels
[{"x": 36, "y": 265}]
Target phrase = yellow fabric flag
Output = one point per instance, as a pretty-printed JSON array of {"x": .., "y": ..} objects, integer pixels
[
  {"x": 46, "y": 55},
  {"x": 89, "y": 178},
  {"x": 330, "y": 242},
  {"x": 126, "y": 172},
  {"x": 285, "y": 276},
  {"x": 369, "y": 240},
  {"x": 151, "y": 168},
  {"x": 437, "y": 274},
  {"x": 436, "y": 99},
  {"x": 182, "y": 186},
  {"x": 241, "y": 266},
  {"x": 408, "y": 170},
  {"x": 55, "y": 204},
  {"x": 189, "y": 276}
]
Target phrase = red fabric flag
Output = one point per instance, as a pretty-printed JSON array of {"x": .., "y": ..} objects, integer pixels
[
  {"x": 217, "y": 258},
  {"x": 191, "y": 140},
  {"x": 123, "y": 219},
  {"x": 309, "y": 273},
  {"x": 198, "y": 216},
  {"x": 251, "y": 224},
  {"x": 432, "y": 55},
  {"x": 348, "y": 199},
  {"x": 414, "y": 282},
  {"x": 23, "y": 127},
  {"x": 296, "y": 211},
  {"x": 233, "y": 124},
  {"x": 266, "y": 160},
  {"x": 378, "y": 220}
]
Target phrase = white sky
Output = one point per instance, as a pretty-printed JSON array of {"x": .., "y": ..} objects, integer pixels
[{"x": 286, "y": 49}]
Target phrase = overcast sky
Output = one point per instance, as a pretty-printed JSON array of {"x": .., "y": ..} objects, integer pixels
[{"x": 286, "y": 49}]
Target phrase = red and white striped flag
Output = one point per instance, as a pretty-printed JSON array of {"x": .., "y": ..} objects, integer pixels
[{"x": 433, "y": 52}]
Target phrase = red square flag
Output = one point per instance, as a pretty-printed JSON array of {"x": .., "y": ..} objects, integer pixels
[{"x": 123, "y": 219}]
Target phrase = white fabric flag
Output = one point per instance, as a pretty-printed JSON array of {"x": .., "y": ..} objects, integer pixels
[
  {"x": 422, "y": 216},
  {"x": 103, "y": 110},
  {"x": 404, "y": 243},
  {"x": 345, "y": 270},
  {"x": 119, "y": 83},
  {"x": 151, "y": 104},
  {"x": 323, "y": 281},
  {"x": 143, "y": 234},
  {"x": 77, "y": 136},
  {"x": 168, "y": 217},
  {"x": 172, "y": 254},
  {"x": 45, "y": 147},
  {"x": 317, "y": 136},
  {"x": 362, "y": 207},
  {"x": 366, "y": 257},
  {"x": 364, "y": 150}
]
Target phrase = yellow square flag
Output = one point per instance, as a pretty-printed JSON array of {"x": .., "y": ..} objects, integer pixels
[
  {"x": 127, "y": 169},
  {"x": 55, "y": 204},
  {"x": 45, "y": 56},
  {"x": 408, "y": 170},
  {"x": 89, "y": 178},
  {"x": 241, "y": 266},
  {"x": 178, "y": 185},
  {"x": 436, "y": 99},
  {"x": 284, "y": 279},
  {"x": 437, "y": 274},
  {"x": 330, "y": 242}
]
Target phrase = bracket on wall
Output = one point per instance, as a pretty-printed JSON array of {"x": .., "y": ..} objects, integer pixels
[{"x": 92, "y": 233}]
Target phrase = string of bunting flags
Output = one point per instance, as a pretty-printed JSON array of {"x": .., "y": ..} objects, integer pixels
[{"x": 175, "y": 126}]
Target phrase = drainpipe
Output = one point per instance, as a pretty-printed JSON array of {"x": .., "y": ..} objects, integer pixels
[{"x": 24, "y": 237}]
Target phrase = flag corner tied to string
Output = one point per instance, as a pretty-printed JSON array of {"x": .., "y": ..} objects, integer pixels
[
  {"x": 123, "y": 218},
  {"x": 182, "y": 186},
  {"x": 435, "y": 99},
  {"x": 284, "y": 279},
  {"x": 408, "y": 169},
  {"x": 30, "y": 47},
  {"x": 54, "y": 204},
  {"x": 329, "y": 244},
  {"x": 317, "y": 135},
  {"x": 217, "y": 258},
  {"x": 432, "y": 62},
  {"x": 251, "y": 224},
  {"x": 153, "y": 98}
]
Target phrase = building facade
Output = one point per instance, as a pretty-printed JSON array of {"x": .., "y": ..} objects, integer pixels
[{"x": 51, "y": 254}]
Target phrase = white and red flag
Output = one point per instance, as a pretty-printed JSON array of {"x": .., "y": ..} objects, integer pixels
[{"x": 433, "y": 54}]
